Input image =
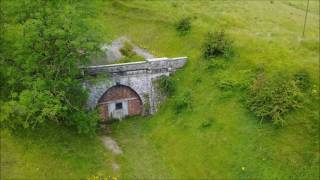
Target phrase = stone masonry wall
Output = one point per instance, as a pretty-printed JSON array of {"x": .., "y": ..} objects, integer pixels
[{"x": 137, "y": 75}]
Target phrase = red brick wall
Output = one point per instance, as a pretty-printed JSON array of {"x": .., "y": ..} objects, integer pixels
[
  {"x": 134, "y": 107},
  {"x": 117, "y": 93},
  {"x": 103, "y": 110}
]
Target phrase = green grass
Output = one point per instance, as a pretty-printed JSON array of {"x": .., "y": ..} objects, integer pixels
[
  {"x": 264, "y": 34},
  {"x": 52, "y": 152},
  {"x": 170, "y": 145}
]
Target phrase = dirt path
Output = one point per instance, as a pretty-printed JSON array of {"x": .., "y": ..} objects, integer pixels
[{"x": 112, "y": 146}]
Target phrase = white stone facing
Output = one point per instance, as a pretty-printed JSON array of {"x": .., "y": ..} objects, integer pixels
[{"x": 137, "y": 75}]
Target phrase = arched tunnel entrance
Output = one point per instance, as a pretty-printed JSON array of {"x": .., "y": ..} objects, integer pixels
[{"x": 119, "y": 101}]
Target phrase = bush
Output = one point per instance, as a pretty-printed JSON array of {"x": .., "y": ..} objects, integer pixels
[
  {"x": 174, "y": 4},
  {"x": 303, "y": 80},
  {"x": 272, "y": 99},
  {"x": 129, "y": 54},
  {"x": 227, "y": 85},
  {"x": 32, "y": 109},
  {"x": 166, "y": 85},
  {"x": 183, "y": 26},
  {"x": 216, "y": 65},
  {"x": 183, "y": 102},
  {"x": 85, "y": 122},
  {"x": 197, "y": 79},
  {"x": 206, "y": 123},
  {"x": 127, "y": 50},
  {"x": 217, "y": 44}
]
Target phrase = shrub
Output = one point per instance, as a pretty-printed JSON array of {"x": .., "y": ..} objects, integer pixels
[
  {"x": 227, "y": 85},
  {"x": 259, "y": 69},
  {"x": 174, "y": 4},
  {"x": 206, "y": 123},
  {"x": 183, "y": 26},
  {"x": 216, "y": 65},
  {"x": 32, "y": 109},
  {"x": 85, "y": 122},
  {"x": 217, "y": 44},
  {"x": 129, "y": 54},
  {"x": 127, "y": 50},
  {"x": 166, "y": 85},
  {"x": 272, "y": 99},
  {"x": 197, "y": 79},
  {"x": 303, "y": 80},
  {"x": 183, "y": 102}
]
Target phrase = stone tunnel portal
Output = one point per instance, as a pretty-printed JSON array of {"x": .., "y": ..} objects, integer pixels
[{"x": 129, "y": 89}]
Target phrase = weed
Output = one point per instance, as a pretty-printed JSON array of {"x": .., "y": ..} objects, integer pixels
[
  {"x": 216, "y": 65},
  {"x": 183, "y": 26},
  {"x": 183, "y": 102},
  {"x": 302, "y": 80},
  {"x": 129, "y": 54},
  {"x": 166, "y": 85},
  {"x": 217, "y": 44},
  {"x": 127, "y": 50},
  {"x": 206, "y": 123}
]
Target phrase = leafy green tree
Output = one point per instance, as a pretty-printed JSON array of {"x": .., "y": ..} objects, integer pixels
[{"x": 43, "y": 45}]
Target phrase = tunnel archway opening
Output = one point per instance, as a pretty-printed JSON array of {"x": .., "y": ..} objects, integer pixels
[{"x": 118, "y": 102}]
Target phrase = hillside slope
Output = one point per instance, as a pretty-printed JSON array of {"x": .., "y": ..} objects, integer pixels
[
  {"x": 235, "y": 145},
  {"x": 218, "y": 138}
]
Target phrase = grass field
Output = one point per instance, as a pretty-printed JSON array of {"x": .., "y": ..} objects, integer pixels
[
  {"x": 171, "y": 145},
  {"x": 52, "y": 152}
]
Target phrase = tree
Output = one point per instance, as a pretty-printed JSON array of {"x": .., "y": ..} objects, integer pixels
[{"x": 43, "y": 46}]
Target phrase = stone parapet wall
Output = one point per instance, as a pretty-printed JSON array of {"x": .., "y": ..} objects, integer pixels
[{"x": 150, "y": 65}]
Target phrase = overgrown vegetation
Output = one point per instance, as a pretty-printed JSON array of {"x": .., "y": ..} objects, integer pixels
[
  {"x": 129, "y": 54},
  {"x": 183, "y": 102},
  {"x": 166, "y": 85},
  {"x": 217, "y": 64},
  {"x": 303, "y": 80},
  {"x": 217, "y": 44},
  {"x": 45, "y": 43},
  {"x": 272, "y": 99},
  {"x": 126, "y": 50},
  {"x": 206, "y": 123},
  {"x": 183, "y": 26}
]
